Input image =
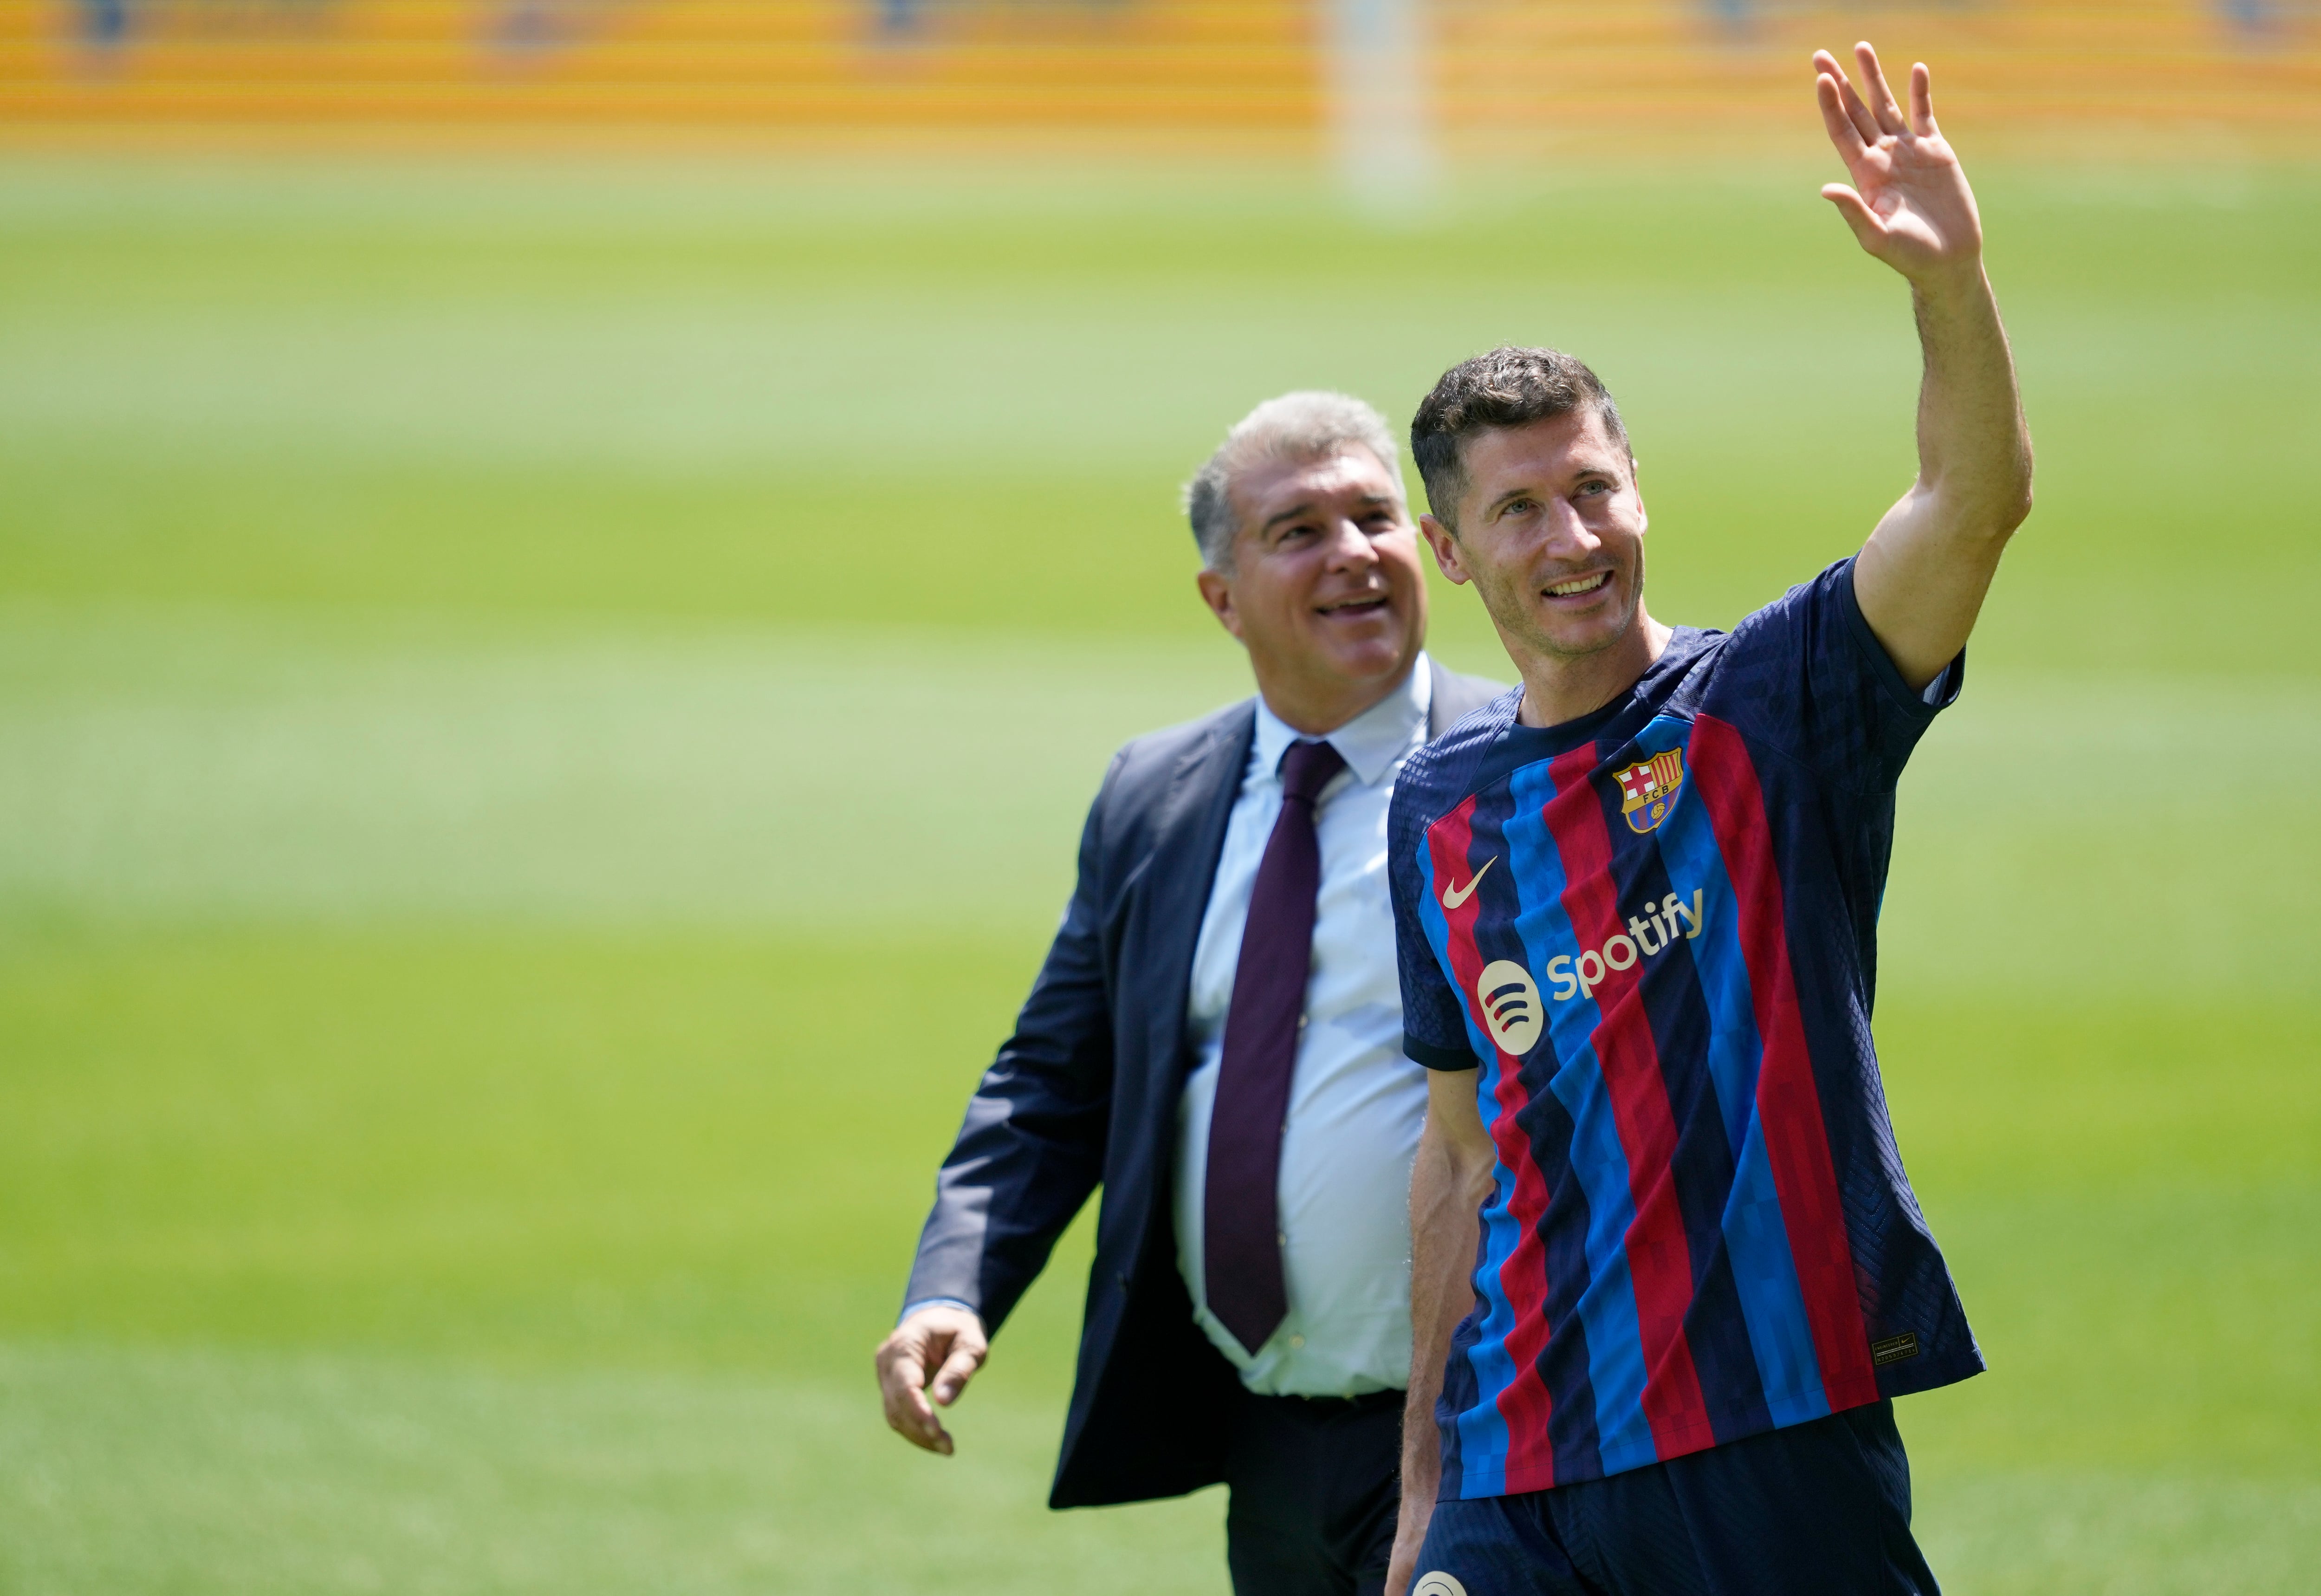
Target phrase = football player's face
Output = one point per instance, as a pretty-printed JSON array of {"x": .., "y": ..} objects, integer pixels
[
  {"x": 1551, "y": 533},
  {"x": 1326, "y": 589}
]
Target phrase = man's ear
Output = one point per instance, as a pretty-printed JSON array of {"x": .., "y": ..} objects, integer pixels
[
  {"x": 1447, "y": 551},
  {"x": 1216, "y": 592}
]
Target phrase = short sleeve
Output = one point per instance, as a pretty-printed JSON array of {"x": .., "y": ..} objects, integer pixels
[
  {"x": 1807, "y": 676},
  {"x": 1433, "y": 1024}
]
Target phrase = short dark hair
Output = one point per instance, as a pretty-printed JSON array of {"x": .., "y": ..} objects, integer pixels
[{"x": 1507, "y": 387}]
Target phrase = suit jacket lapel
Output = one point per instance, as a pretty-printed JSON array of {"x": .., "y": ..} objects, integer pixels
[
  {"x": 1188, "y": 839},
  {"x": 1454, "y": 698},
  {"x": 1443, "y": 703}
]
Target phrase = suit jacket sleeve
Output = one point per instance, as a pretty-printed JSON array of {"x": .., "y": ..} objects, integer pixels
[{"x": 1032, "y": 1148}]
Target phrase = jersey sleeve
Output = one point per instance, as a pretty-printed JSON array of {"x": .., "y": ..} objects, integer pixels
[
  {"x": 1807, "y": 676},
  {"x": 1433, "y": 1024}
]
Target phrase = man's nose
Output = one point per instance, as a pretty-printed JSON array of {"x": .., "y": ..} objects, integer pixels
[
  {"x": 1349, "y": 545},
  {"x": 1567, "y": 532}
]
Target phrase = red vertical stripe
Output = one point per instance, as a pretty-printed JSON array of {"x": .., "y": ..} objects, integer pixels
[
  {"x": 1788, "y": 1104},
  {"x": 1525, "y": 1404},
  {"x": 1659, "y": 1258}
]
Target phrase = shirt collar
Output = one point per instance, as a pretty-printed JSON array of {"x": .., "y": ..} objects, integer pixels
[{"x": 1373, "y": 742}]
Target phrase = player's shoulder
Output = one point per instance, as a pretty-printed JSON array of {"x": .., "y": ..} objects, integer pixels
[
  {"x": 1827, "y": 595},
  {"x": 1814, "y": 633},
  {"x": 1436, "y": 779}
]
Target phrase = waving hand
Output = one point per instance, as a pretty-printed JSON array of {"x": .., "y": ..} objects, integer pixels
[
  {"x": 1909, "y": 203},
  {"x": 1921, "y": 578}
]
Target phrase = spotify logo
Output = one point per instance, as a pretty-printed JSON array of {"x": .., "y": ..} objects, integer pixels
[
  {"x": 1437, "y": 1584},
  {"x": 1511, "y": 1012}
]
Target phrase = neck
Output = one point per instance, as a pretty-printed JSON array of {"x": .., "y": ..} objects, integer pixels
[
  {"x": 1558, "y": 687},
  {"x": 1318, "y": 708}
]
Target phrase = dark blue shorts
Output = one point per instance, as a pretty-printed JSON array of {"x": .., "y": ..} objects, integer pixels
[{"x": 1817, "y": 1509}]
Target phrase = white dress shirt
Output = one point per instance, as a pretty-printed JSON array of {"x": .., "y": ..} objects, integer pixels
[{"x": 1356, "y": 1101}]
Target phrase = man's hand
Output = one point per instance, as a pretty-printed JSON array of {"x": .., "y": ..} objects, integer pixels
[
  {"x": 1910, "y": 203},
  {"x": 947, "y": 1340},
  {"x": 1921, "y": 578}
]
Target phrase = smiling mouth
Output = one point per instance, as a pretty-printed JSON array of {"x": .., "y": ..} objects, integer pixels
[
  {"x": 1356, "y": 606},
  {"x": 1579, "y": 586}
]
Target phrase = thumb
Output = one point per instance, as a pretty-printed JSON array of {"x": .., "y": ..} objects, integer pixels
[
  {"x": 957, "y": 1370},
  {"x": 1868, "y": 229}
]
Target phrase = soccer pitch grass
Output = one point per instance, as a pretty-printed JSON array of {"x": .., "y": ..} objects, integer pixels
[{"x": 542, "y": 723}]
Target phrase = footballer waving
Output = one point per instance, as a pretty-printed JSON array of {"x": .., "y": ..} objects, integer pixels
[{"x": 1668, "y": 1273}]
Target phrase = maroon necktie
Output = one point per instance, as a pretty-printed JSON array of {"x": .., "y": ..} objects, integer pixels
[{"x": 1240, "y": 1218}]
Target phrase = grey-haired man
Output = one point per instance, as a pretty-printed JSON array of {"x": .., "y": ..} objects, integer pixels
[{"x": 1215, "y": 1039}]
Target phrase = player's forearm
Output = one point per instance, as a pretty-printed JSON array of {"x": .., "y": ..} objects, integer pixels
[
  {"x": 1447, "y": 1185},
  {"x": 1430, "y": 1343},
  {"x": 1422, "y": 1450},
  {"x": 1974, "y": 451}
]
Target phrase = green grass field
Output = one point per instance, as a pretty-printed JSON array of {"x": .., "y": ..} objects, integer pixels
[{"x": 543, "y": 716}]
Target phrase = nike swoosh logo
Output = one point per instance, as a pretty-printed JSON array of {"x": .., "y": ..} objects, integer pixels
[{"x": 1454, "y": 895}]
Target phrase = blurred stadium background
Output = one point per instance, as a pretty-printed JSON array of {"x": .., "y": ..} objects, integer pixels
[{"x": 567, "y": 568}]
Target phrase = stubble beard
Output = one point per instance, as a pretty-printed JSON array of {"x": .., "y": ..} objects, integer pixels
[{"x": 1539, "y": 641}]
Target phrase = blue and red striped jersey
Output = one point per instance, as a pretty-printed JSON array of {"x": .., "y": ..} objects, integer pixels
[{"x": 1652, "y": 932}]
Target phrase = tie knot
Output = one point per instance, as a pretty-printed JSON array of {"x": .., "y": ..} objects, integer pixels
[{"x": 1306, "y": 768}]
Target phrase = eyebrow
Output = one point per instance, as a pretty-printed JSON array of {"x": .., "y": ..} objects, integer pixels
[
  {"x": 1295, "y": 511},
  {"x": 1585, "y": 470}
]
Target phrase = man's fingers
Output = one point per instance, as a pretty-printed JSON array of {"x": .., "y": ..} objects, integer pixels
[
  {"x": 902, "y": 1395},
  {"x": 1843, "y": 132},
  {"x": 900, "y": 1378},
  {"x": 1858, "y": 215},
  {"x": 908, "y": 1415},
  {"x": 957, "y": 1371},
  {"x": 948, "y": 1339},
  {"x": 1922, "y": 101},
  {"x": 1865, "y": 126},
  {"x": 901, "y": 1375},
  {"x": 1863, "y": 122},
  {"x": 926, "y": 1430},
  {"x": 1875, "y": 91}
]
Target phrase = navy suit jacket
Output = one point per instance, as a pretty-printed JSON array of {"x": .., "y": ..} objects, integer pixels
[{"x": 1085, "y": 1094}]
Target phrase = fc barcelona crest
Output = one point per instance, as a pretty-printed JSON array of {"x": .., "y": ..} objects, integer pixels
[{"x": 1648, "y": 790}]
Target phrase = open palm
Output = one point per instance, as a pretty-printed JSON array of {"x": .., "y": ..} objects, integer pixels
[{"x": 1910, "y": 203}]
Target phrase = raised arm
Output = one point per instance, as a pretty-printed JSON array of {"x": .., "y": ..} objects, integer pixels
[
  {"x": 1448, "y": 1183},
  {"x": 1923, "y": 574}
]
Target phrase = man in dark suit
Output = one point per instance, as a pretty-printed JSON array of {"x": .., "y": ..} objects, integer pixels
[{"x": 1215, "y": 1039}]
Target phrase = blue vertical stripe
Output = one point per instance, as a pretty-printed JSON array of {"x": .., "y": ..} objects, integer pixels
[
  {"x": 1556, "y": 1279},
  {"x": 1772, "y": 1302},
  {"x": 1689, "y": 852},
  {"x": 1607, "y": 1307}
]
